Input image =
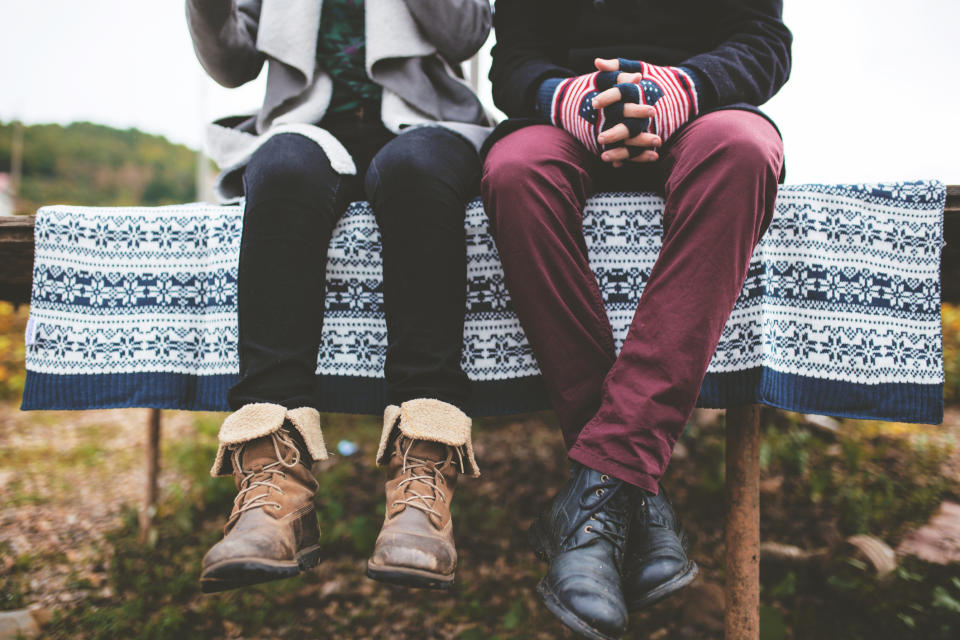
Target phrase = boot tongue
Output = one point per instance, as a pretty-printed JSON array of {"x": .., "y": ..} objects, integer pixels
[
  {"x": 259, "y": 453},
  {"x": 427, "y": 450}
]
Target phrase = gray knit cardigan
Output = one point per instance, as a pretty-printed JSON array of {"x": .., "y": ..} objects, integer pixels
[{"x": 410, "y": 47}]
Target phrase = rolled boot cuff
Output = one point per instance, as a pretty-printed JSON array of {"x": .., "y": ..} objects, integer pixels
[
  {"x": 254, "y": 421},
  {"x": 433, "y": 420}
]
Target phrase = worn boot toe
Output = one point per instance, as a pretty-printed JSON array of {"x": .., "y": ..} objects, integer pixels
[
  {"x": 588, "y": 601},
  {"x": 657, "y": 565},
  {"x": 415, "y": 551}
]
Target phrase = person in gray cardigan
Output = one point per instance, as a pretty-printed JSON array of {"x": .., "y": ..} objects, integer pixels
[{"x": 363, "y": 101}]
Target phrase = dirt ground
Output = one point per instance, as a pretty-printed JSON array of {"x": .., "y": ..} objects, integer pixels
[{"x": 68, "y": 480}]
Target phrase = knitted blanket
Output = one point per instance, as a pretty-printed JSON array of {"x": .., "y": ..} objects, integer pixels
[{"x": 840, "y": 313}]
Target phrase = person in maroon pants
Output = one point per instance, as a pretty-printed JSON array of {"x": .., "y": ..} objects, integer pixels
[{"x": 628, "y": 95}]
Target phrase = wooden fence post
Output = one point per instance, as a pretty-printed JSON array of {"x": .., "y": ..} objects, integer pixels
[
  {"x": 742, "y": 534},
  {"x": 148, "y": 510}
]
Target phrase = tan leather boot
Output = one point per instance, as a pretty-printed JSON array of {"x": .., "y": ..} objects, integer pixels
[
  {"x": 429, "y": 446},
  {"x": 272, "y": 532}
]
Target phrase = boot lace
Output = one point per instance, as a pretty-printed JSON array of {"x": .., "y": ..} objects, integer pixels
[
  {"x": 425, "y": 471},
  {"x": 602, "y": 515},
  {"x": 262, "y": 477}
]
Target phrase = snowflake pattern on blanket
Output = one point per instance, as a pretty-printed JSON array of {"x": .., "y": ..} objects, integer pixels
[{"x": 841, "y": 301}]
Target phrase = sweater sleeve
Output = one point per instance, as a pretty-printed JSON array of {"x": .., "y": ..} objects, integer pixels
[
  {"x": 224, "y": 34},
  {"x": 528, "y": 42},
  {"x": 457, "y": 28},
  {"x": 751, "y": 61}
]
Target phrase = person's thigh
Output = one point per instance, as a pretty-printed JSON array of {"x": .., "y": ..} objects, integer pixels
[
  {"x": 537, "y": 163},
  {"x": 734, "y": 152}
]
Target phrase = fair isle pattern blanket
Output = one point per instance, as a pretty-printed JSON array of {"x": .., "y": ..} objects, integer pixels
[{"x": 840, "y": 313}]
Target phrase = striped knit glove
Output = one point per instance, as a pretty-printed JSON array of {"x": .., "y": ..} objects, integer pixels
[
  {"x": 670, "y": 90},
  {"x": 567, "y": 103}
]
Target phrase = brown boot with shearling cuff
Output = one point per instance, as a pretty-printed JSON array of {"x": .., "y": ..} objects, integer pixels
[
  {"x": 425, "y": 446},
  {"x": 272, "y": 532}
]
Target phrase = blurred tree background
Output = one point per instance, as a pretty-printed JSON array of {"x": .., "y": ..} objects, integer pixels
[
  {"x": 91, "y": 164},
  {"x": 70, "y": 483}
]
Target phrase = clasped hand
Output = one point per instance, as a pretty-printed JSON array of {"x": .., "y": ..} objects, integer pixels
[
  {"x": 629, "y": 139},
  {"x": 625, "y": 110}
]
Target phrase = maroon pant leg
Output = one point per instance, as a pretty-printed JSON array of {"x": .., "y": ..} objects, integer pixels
[
  {"x": 535, "y": 183},
  {"x": 720, "y": 182}
]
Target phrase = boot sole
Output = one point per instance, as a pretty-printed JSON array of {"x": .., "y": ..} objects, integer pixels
[
  {"x": 407, "y": 577},
  {"x": 664, "y": 590},
  {"x": 570, "y": 620},
  {"x": 242, "y": 572}
]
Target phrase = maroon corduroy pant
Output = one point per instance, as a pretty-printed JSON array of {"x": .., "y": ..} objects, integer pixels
[{"x": 622, "y": 414}]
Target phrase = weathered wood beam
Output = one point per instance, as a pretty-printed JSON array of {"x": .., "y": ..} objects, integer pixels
[
  {"x": 950, "y": 261},
  {"x": 16, "y": 257}
]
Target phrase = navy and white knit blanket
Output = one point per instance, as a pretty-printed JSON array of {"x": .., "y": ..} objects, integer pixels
[{"x": 840, "y": 314}]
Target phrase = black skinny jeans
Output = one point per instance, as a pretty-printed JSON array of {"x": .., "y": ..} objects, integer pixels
[{"x": 418, "y": 184}]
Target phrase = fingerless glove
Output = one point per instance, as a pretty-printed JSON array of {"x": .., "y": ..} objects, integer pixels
[
  {"x": 671, "y": 91},
  {"x": 567, "y": 102}
]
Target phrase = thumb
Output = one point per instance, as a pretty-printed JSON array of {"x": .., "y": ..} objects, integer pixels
[{"x": 603, "y": 64}]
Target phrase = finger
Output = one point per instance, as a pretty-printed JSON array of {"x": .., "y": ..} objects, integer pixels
[
  {"x": 611, "y": 155},
  {"x": 647, "y": 156},
  {"x": 633, "y": 154},
  {"x": 645, "y": 140},
  {"x": 604, "y": 64},
  {"x": 634, "y": 66},
  {"x": 638, "y": 111},
  {"x": 606, "y": 98},
  {"x": 629, "y": 78},
  {"x": 614, "y": 134},
  {"x": 607, "y": 79},
  {"x": 627, "y": 92},
  {"x": 634, "y": 129}
]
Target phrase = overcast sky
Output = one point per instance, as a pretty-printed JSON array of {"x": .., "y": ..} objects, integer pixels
[{"x": 873, "y": 95}]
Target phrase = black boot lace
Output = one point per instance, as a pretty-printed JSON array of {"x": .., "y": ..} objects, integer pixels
[{"x": 602, "y": 514}]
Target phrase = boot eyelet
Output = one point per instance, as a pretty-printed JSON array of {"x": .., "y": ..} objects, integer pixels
[
  {"x": 276, "y": 507},
  {"x": 604, "y": 477},
  {"x": 588, "y": 529}
]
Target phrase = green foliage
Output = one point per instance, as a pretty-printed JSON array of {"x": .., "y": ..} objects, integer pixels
[
  {"x": 859, "y": 480},
  {"x": 13, "y": 322},
  {"x": 950, "y": 316},
  {"x": 918, "y": 601},
  {"x": 91, "y": 164}
]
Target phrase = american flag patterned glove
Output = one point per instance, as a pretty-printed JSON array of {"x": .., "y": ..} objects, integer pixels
[
  {"x": 671, "y": 91},
  {"x": 567, "y": 103}
]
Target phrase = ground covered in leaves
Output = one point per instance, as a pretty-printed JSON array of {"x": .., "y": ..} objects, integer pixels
[{"x": 71, "y": 482}]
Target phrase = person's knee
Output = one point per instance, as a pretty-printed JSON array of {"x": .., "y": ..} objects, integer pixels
[
  {"x": 290, "y": 166},
  {"x": 510, "y": 166},
  {"x": 747, "y": 142},
  {"x": 422, "y": 162}
]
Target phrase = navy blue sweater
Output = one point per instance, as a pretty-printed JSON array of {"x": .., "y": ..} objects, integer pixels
[{"x": 740, "y": 49}]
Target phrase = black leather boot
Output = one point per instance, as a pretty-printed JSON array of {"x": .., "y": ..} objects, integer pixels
[
  {"x": 582, "y": 534},
  {"x": 657, "y": 565}
]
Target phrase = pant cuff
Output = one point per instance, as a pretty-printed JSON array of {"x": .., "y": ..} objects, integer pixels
[{"x": 629, "y": 475}]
